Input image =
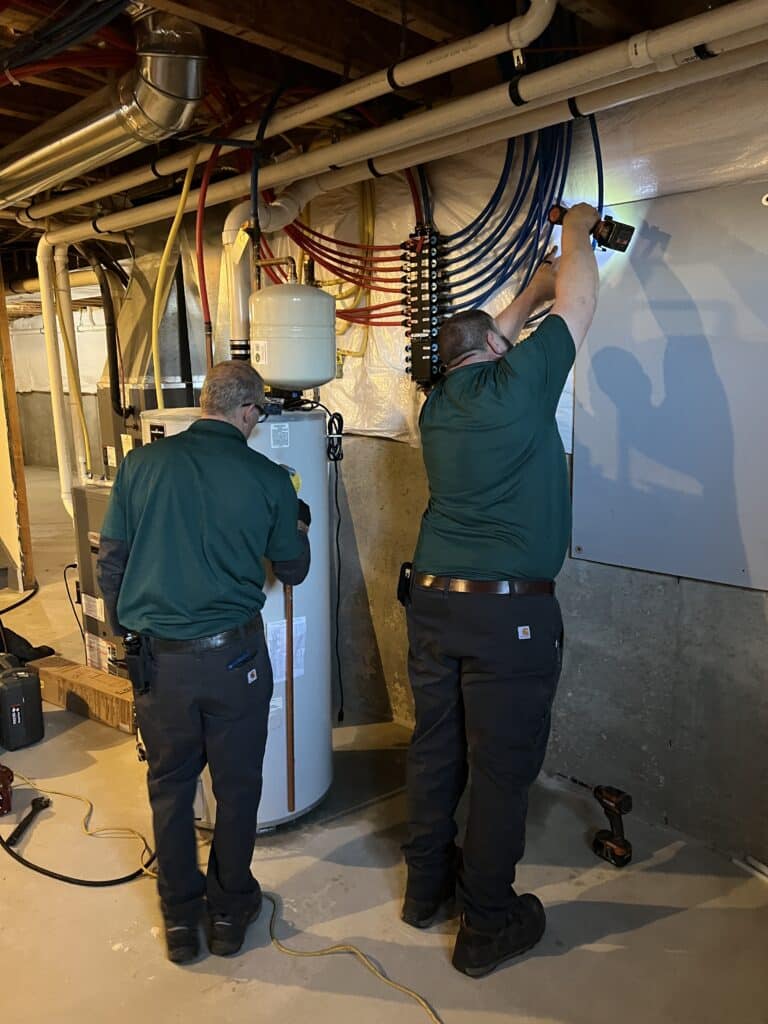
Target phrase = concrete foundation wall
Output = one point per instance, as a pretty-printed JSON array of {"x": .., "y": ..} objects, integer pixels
[
  {"x": 38, "y": 442},
  {"x": 663, "y": 690}
]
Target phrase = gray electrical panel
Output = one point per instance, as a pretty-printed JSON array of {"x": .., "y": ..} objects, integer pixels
[{"x": 671, "y": 393}]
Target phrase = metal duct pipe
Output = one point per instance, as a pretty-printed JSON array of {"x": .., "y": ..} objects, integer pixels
[{"x": 156, "y": 99}]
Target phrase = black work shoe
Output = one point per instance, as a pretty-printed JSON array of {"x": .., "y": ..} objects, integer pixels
[
  {"x": 226, "y": 932},
  {"x": 422, "y": 913},
  {"x": 477, "y": 953},
  {"x": 182, "y": 941}
]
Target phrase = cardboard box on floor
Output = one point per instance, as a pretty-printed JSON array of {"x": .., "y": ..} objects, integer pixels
[{"x": 86, "y": 691}]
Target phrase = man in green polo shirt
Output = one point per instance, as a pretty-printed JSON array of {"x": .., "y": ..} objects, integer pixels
[
  {"x": 180, "y": 567},
  {"x": 484, "y": 626}
]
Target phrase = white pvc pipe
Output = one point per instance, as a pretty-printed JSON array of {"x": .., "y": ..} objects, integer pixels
[
  {"x": 64, "y": 297},
  {"x": 556, "y": 113},
  {"x": 31, "y": 285},
  {"x": 516, "y": 34},
  {"x": 238, "y": 273},
  {"x": 661, "y": 47},
  {"x": 452, "y": 142},
  {"x": 46, "y": 271}
]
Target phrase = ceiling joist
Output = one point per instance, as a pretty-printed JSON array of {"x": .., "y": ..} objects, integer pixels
[
  {"x": 338, "y": 37},
  {"x": 436, "y": 21}
]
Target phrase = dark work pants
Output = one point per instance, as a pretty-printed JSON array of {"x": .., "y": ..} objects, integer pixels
[
  {"x": 483, "y": 669},
  {"x": 197, "y": 712}
]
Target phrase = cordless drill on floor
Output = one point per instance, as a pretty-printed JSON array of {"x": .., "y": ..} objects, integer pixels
[{"x": 611, "y": 844}]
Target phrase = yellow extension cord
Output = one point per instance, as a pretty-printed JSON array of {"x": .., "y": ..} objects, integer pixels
[
  {"x": 161, "y": 272},
  {"x": 350, "y": 950},
  {"x": 74, "y": 380},
  {"x": 335, "y": 950}
]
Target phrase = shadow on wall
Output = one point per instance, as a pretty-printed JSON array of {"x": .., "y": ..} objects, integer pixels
[{"x": 682, "y": 516}]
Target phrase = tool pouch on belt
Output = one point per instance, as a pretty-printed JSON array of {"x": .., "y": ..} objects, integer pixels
[
  {"x": 138, "y": 661},
  {"x": 404, "y": 584}
]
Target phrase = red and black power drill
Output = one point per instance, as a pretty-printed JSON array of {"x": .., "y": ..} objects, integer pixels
[
  {"x": 608, "y": 233},
  {"x": 611, "y": 844}
]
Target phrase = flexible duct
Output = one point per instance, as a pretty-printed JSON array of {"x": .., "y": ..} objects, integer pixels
[{"x": 156, "y": 99}]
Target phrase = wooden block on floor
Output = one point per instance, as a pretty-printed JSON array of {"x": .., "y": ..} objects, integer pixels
[{"x": 87, "y": 692}]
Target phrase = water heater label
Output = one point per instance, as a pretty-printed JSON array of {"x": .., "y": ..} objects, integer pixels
[
  {"x": 280, "y": 435},
  {"x": 259, "y": 353},
  {"x": 96, "y": 652},
  {"x": 276, "y": 644},
  {"x": 93, "y": 607}
]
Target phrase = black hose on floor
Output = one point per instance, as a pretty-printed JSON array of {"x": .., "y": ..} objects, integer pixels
[{"x": 88, "y": 882}]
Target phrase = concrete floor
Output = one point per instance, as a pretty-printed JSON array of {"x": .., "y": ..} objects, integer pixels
[{"x": 678, "y": 936}]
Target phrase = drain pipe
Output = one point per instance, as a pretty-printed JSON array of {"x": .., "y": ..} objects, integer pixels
[
  {"x": 514, "y": 35},
  {"x": 63, "y": 302},
  {"x": 45, "y": 270}
]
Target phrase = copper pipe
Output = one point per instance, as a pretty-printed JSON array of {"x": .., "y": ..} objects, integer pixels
[{"x": 290, "y": 754}]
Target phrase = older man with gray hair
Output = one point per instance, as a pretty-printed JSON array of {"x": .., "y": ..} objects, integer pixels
[{"x": 180, "y": 566}]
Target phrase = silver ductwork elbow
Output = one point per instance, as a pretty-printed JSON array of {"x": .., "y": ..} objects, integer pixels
[{"x": 154, "y": 100}]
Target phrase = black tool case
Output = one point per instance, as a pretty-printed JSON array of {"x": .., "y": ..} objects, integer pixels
[{"x": 21, "y": 708}]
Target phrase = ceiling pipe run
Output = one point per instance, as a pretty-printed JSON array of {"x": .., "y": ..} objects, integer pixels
[
  {"x": 514, "y": 35},
  {"x": 693, "y": 40},
  {"x": 149, "y": 103},
  {"x": 589, "y": 100}
]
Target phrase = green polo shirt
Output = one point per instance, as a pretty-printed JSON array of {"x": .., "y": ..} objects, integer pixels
[
  {"x": 499, "y": 504},
  {"x": 198, "y": 512}
]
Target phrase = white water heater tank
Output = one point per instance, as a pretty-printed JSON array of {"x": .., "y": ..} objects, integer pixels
[
  {"x": 298, "y": 440},
  {"x": 293, "y": 335}
]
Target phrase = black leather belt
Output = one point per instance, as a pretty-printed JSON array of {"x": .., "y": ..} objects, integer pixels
[
  {"x": 207, "y": 643},
  {"x": 451, "y": 583}
]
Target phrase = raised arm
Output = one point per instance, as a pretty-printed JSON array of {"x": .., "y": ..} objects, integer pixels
[
  {"x": 540, "y": 290},
  {"x": 577, "y": 281}
]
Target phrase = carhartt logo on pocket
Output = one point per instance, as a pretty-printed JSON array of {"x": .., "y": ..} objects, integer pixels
[
  {"x": 253, "y": 675},
  {"x": 523, "y": 632}
]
